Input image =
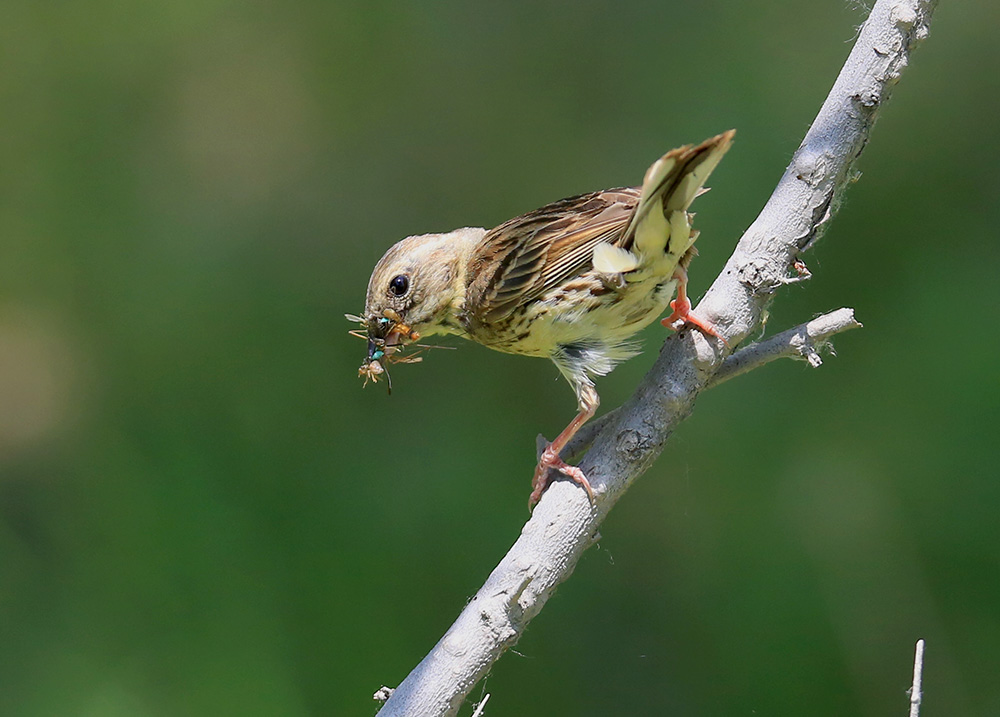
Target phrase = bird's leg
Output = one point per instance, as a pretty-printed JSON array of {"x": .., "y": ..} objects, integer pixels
[
  {"x": 589, "y": 401},
  {"x": 682, "y": 309}
]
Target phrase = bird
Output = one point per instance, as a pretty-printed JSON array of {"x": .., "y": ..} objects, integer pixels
[{"x": 572, "y": 281}]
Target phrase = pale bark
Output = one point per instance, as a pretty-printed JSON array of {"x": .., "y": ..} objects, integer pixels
[{"x": 564, "y": 524}]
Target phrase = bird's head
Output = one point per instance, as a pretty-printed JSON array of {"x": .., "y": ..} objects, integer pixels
[
  {"x": 416, "y": 289},
  {"x": 420, "y": 284}
]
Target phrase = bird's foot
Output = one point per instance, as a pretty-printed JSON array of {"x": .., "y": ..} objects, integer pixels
[
  {"x": 682, "y": 315},
  {"x": 550, "y": 459}
]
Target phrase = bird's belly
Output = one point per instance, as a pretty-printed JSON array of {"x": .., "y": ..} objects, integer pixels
[{"x": 574, "y": 317}]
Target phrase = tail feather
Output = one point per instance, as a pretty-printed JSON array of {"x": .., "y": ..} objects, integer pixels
[{"x": 660, "y": 222}]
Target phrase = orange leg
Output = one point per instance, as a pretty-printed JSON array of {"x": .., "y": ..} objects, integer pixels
[
  {"x": 550, "y": 456},
  {"x": 682, "y": 310}
]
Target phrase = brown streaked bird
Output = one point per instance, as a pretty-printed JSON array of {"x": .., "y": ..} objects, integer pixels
[{"x": 572, "y": 282}]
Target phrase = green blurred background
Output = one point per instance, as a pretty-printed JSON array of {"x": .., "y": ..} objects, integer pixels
[{"x": 202, "y": 513}]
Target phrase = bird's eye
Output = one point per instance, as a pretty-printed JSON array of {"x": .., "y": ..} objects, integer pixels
[{"x": 399, "y": 285}]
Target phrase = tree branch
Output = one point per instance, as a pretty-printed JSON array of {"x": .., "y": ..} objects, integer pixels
[
  {"x": 564, "y": 523},
  {"x": 805, "y": 341},
  {"x": 916, "y": 689}
]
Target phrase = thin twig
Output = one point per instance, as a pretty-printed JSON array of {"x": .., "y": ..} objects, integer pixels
[
  {"x": 564, "y": 523},
  {"x": 916, "y": 695},
  {"x": 481, "y": 706},
  {"x": 806, "y": 341},
  {"x": 382, "y": 694}
]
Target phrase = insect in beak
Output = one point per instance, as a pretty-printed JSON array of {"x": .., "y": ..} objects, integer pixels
[
  {"x": 384, "y": 343},
  {"x": 371, "y": 369},
  {"x": 375, "y": 349}
]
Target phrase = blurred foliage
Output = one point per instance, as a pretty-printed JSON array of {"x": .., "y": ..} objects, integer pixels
[{"x": 202, "y": 513}]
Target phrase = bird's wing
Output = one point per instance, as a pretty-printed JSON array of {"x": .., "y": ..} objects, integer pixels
[
  {"x": 524, "y": 258},
  {"x": 528, "y": 256}
]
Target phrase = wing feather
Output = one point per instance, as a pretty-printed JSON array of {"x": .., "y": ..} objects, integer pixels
[{"x": 523, "y": 259}]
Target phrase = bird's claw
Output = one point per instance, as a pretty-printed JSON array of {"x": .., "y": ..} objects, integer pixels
[
  {"x": 682, "y": 315},
  {"x": 550, "y": 459}
]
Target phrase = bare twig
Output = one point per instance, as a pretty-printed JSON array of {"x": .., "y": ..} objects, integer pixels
[
  {"x": 481, "y": 707},
  {"x": 382, "y": 694},
  {"x": 564, "y": 523},
  {"x": 806, "y": 341},
  {"x": 916, "y": 695}
]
